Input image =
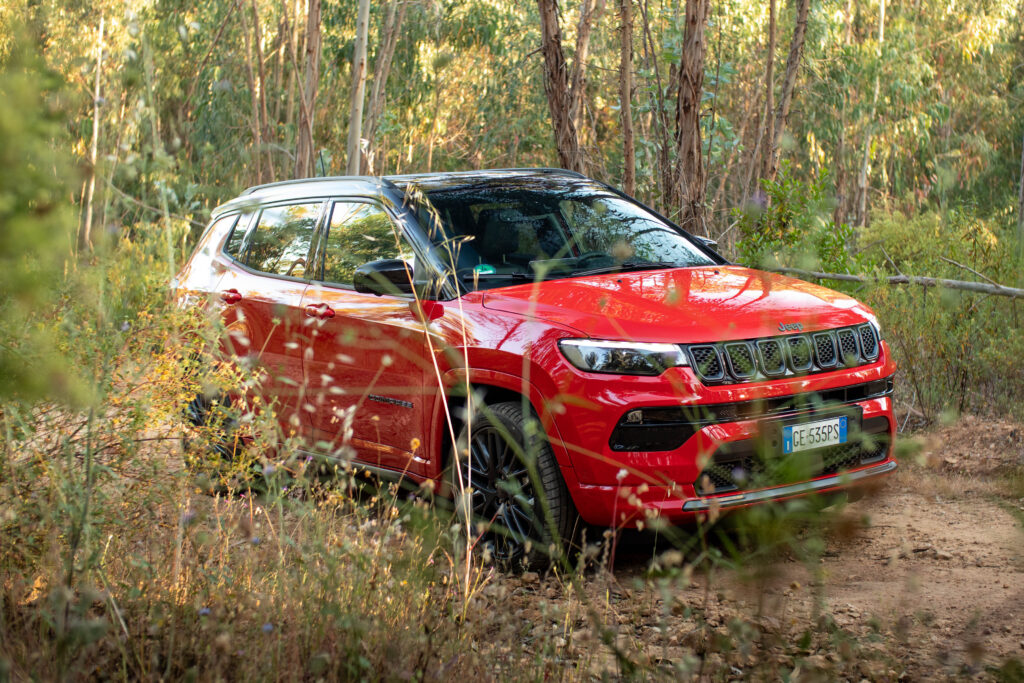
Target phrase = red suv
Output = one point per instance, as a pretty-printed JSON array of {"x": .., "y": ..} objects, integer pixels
[{"x": 589, "y": 360}]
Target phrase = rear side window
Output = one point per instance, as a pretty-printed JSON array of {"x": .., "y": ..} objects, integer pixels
[
  {"x": 279, "y": 244},
  {"x": 360, "y": 233},
  {"x": 233, "y": 245}
]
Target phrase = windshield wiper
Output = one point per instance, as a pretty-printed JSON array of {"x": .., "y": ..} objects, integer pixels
[
  {"x": 498, "y": 276},
  {"x": 625, "y": 267}
]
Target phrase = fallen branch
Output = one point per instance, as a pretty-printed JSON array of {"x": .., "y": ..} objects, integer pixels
[{"x": 981, "y": 287}]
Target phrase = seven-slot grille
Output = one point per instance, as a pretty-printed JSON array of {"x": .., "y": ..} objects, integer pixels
[{"x": 758, "y": 359}]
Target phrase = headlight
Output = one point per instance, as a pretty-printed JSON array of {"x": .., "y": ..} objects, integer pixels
[{"x": 621, "y": 358}]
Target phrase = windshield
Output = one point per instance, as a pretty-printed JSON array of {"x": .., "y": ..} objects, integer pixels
[{"x": 496, "y": 236}]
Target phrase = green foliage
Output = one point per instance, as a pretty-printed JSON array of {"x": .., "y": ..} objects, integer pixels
[
  {"x": 791, "y": 224},
  {"x": 958, "y": 350},
  {"x": 36, "y": 237}
]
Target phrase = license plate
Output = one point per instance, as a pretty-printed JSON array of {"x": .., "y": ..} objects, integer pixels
[{"x": 801, "y": 437}]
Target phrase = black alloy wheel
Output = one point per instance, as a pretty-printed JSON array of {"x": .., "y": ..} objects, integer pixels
[{"x": 520, "y": 513}]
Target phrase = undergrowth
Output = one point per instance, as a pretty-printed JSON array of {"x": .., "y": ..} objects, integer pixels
[{"x": 130, "y": 549}]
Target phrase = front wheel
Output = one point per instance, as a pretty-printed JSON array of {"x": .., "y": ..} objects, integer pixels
[{"x": 507, "y": 481}]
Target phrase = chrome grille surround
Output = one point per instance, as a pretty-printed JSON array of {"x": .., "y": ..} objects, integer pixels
[
  {"x": 849, "y": 351},
  {"x": 798, "y": 354},
  {"x": 825, "y": 349},
  {"x": 869, "y": 345},
  {"x": 707, "y": 363},
  {"x": 741, "y": 360},
  {"x": 752, "y": 360},
  {"x": 773, "y": 360}
]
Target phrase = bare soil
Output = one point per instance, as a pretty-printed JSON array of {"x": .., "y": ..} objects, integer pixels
[{"x": 921, "y": 579}]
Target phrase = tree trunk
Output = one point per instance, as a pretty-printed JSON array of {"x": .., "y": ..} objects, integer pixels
[
  {"x": 255, "y": 126},
  {"x": 661, "y": 118},
  {"x": 381, "y": 70},
  {"x": 690, "y": 179},
  {"x": 355, "y": 116},
  {"x": 841, "y": 210},
  {"x": 769, "y": 87},
  {"x": 758, "y": 161},
  {"x": 307, "y": 105},
  {"x": 750, "y": 104},
  {"x": 789, "y": 82},
  {"x": 588, "y": 15},
  {"x": 261, "y": 74},
  {"x": 862, "y": 179},
  {"x": 960, "y": 285},
  {"x": 626, "y": 98},
  {"x": 1020, "y": 206},
  {"x": 85, "y": 234},
  {"x": 556, "y": 87},
  {"x": 281, "y": 47},
  {"x": 293, "y": 52}
]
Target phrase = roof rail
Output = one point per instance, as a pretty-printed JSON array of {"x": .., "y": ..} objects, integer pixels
[
  {"x": 410, "y": 176},
  {"x": 550, "y": 170},
  {"x": 318, "y": 179}
]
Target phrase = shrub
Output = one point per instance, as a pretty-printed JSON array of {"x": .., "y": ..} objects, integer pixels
[{"x": 791, "y": 224}]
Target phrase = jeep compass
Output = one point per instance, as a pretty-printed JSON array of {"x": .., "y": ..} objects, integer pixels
[{"x": 542, "y": 348}]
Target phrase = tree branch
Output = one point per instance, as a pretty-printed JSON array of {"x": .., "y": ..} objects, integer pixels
[{"x": 980, "y": 287}]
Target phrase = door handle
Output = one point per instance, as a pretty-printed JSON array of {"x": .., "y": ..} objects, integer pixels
[
  {"x": 322, "y": 311},
  {"x": 231, "y": 296}
]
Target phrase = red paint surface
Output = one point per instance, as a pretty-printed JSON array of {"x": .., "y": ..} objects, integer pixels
[{"x": 379, "y": 355}]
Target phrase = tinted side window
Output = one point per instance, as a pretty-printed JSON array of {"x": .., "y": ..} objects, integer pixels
[
  {"x": 360, "y": 233},
  {"x": 233, "y": 245},
  {"x": 280, "y": 241}
]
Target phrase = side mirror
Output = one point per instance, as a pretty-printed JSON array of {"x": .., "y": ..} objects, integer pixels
[
  {"x": 387, "y": 276},
  {"x": 706, "y": 241}
]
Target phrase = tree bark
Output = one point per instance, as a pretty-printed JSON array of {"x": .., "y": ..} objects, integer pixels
[
  {"x": 750, "y": 104},
  {"x": 841, "y": 210},
  {"x": 660, "y": 118},
  {"x": 588, "y": 15},
  {"x": 769, "y": 87},
  {"x": 255, "y": 125},
  {"x": 626, "y": 98},
  {"x": 85, "y": 235},
  {"x": 381, "y": 70},
  {"x": 862, "y": 178},
  {"x": 355, "y": 117},
  {"x": 293, "y": 52},
  {"x": 690, "y": 180},
  {"x": 1020, "y": 206},
  {"x": 796, "y": 47},
  {"x": 556, "y": 87},
  {"x": 758, "y": 160},
  {"x": 261, "y": 74},
  {"x": 307, "y": 105},
  {"x": 960, "y": 285}
]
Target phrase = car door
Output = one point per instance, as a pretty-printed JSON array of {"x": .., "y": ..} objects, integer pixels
[
  {"x": 369, "y": 362},
  {"x": 262, "y": 291}
]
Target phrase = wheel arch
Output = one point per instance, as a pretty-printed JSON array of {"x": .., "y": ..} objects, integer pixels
[{"x": 492, "y": 387}]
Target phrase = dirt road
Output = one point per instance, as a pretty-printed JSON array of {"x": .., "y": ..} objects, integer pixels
[{"x": 922, "y": 579}]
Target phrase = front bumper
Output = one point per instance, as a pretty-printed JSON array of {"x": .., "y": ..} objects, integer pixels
[
  {"x": 823, "y": 485},
  {"x": 614, "y": 487},
  {"x": 625, "y": 506}
]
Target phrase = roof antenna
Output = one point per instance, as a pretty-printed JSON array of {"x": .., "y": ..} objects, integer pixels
[{"x": 323, "y": 171}]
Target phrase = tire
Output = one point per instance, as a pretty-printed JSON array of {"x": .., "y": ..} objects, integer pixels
[
  {"x": 202, "y": 414},
  {"x": 215, "y": 455},
  {"x": 523, "y": 514}
]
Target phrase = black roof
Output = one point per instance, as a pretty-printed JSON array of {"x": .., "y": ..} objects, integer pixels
[{"x": 427, "y": 180}]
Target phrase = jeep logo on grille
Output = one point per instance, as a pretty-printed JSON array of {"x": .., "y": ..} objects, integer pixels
[{"x": 790, "y": 327}]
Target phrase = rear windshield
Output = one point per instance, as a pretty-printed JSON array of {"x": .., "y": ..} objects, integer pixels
[{"x": 496, "y": 236}]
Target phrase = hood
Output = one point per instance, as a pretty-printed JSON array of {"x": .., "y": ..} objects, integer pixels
[{"x": 682, "y": 305}]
